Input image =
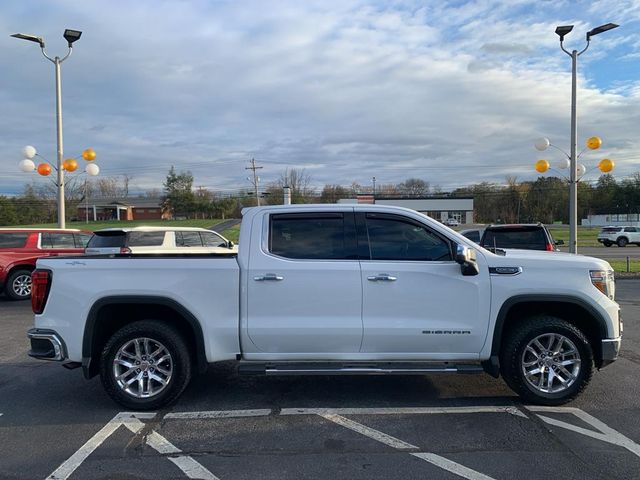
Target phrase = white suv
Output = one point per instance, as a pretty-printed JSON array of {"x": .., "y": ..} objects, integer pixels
[
  {"x": 155, "y": 240},
  {"x": 621, "y": 236}
]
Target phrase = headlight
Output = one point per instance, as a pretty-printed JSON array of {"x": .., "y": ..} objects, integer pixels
[{"x": 603, "y": 281}]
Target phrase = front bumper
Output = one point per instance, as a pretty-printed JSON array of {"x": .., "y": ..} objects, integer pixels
[
  {"x": 46, "y": 345},
  {"x": 610, "y": 350}
]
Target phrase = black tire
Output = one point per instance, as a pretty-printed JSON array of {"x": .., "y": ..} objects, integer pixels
[
  {"x": 514, "y": 353},
  {"x": 18, "y": 286},
  {"x": 160, "y": 334},
  {"x": 607, "y": 244},
  {"x": 622, "y": 242}
]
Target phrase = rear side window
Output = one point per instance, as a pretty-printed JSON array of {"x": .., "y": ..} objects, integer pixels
[
  {"x": 308, "y": 236},
  {"x": 13, "y": 239},
  {"x": 107, "y": 239},
  {"x": 399, "y": 239},
  {"x": 145, "y": 239},
  {"x": 611, "y": 229},
  {"x": 473, "y": 235},
  {"x": 523, "y": 238},
  {"x": 188, "y": 239},
  {"x": 57, "y": 240}
]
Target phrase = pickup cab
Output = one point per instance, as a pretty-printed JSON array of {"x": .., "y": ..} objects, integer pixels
[{"x": 330, "y": 289}]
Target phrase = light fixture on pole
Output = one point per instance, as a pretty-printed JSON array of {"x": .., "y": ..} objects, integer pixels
[
  {"x": 70, "y": 36},
  {"x": 562, "y": 31}
]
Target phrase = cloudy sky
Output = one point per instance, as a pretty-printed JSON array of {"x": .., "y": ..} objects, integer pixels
[{"x": 451, "y": 92}]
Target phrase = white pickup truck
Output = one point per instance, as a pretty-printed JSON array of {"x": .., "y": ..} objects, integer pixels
[{"x": 338, "y": 289}]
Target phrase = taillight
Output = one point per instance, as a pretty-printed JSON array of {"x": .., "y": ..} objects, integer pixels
[
  {"x": 40, "y": 285},
  {"x": 550, "y": 248},
  {"x": 125, "y": 250}
]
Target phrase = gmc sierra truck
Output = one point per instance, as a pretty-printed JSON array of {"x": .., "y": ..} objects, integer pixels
[{"x": 338, "y": 289}]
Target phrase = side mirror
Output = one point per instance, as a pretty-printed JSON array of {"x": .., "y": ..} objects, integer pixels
[
  {"x": 559, "y": 242},
  {"x": 231, "y": 244},
  {"x": 466, "y": 257}
]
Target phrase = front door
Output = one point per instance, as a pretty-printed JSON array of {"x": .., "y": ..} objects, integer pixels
[
  {"x": 304, "y": 288},
  {"x": 416, "y": 302}
]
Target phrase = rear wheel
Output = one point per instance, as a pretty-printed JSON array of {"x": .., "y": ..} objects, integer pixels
[
  {"x": 145, "y": 365},
  {"x": 622, "y": 242},
  {"x": 547, "y": 360},
  {"x": 18, "y": 285}
]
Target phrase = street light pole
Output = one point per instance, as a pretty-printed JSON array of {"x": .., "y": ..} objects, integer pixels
[
  {"x": 70, "y": 36},
  {"x": 561, "y": 31}
]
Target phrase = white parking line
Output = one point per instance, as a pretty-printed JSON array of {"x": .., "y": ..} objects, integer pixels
[
  {"x": 605, "y": 433},
  {"x": 398, "y": 444},
  {"x": 219, "y": 414},
  {"x": 400, "y": 411},
  {"x": 191, "y": 468},
  {"x": 370, "y": 432},
  {"x": 452, "y": 467}
]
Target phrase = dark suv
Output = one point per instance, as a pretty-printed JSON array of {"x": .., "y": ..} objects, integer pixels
[
  {"x": 20, "y": 248},
  {"x": 523, "y": 236}
]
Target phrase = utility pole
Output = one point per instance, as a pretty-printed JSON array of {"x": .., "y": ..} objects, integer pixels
[
  {"x": 374, "y": 186},
  {"x": 256, "y": 180}
]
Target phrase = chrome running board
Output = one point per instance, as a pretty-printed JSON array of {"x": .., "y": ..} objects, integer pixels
[{"x": 368, "y": 368}]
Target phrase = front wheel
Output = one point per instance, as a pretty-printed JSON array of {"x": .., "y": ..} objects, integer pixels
[
  {"x": 18, "y": 286},
  {"x": 622, "y": 242},
  {"x": 145, "y": 365},
  {"x": 547, "y": 360}
]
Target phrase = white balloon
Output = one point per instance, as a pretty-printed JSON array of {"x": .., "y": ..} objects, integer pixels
[
  {"x": 92, "y": 169},
  {"x": 564, "y": 163},
  {"x": 27, "y": 165},
  {"x": 29, "y": 152},
  {"x": 581, "y": 169},
  {"x": 542, "y": 144}
]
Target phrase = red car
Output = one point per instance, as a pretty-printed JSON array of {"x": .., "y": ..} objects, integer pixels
[{"x": 21, "y": 247}]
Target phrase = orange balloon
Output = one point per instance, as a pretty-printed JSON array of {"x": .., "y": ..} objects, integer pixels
[
  {"x": 89, "y": 154},
  {"x": 44, "y": 169},
  {"x": 594, "y": 143},
  {"x": 542, "y": 166},
  {"x": 606, "y": 165},
  {"x": 70, "y": 165}
]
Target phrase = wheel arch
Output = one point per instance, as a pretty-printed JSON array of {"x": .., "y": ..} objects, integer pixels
[
  {"x": 109, "y": 314},
  {"x": 574, "y": 310}
]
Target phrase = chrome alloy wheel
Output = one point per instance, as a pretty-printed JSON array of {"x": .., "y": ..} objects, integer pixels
[
  {"x": 551, "y": 363},
  {"x": 143, "y": 367},
  {"x": 22, "y": 285}
]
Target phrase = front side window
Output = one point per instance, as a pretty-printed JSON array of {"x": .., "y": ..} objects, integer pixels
[
  {"x": 13, "y": 239},
  {"x": 630, "y": 229},
  {"x": 211, "y": 239},
  {"x": 400, "y": 239},
  {"x": 82, "y": 239},
  {"x": 308, "y": 236}
]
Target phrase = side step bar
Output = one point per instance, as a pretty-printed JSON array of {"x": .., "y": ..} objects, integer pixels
[{"x": 386, "y": 368}]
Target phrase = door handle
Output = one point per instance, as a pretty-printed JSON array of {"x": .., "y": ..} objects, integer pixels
[
  {"x": 382, "y": 277},
  {"x": 269, "y": 277}
]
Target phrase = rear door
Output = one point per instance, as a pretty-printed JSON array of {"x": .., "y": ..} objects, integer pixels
[
  {"x": 416, "y": 302},
  {"x": 304, "y": 287}
]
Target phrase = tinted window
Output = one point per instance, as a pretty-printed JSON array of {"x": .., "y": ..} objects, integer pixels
[
  {"x": 13, "y": 240},
  {"x": 188, "y": 239},
  {"x": 57, "y": 240},
  {"x": 399, "y": 239},
  {"x": 523, "y": 238},
  {"x": 473, "y": 235},
  {"x": 611, "y": 230},
  {"x": 210, "y": 239},
  {"x": 145, "y": 239},
  {"x": 630, "y": 229},
  {"x": 308, "y": 236},
  {"x": 107, "y": 239},
  {"x": 82, "y": 239}
]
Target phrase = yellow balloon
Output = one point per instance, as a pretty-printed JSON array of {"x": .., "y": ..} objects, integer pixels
[
  {"x": 70, "y": 165},
  {"x": 606, "y": 165},
  {"x": 542, "y": 166},
  {"x": 594, "y": 143},
  {"x": 89, "y": 154}
]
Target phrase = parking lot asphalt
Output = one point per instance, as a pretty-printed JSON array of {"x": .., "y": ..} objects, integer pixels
[{"x": 54, "y": 424}]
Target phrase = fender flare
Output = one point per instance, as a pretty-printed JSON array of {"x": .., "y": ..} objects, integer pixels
[
  {"x": 90, "y": 368},
  {"x": 492, "y": 365}
]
